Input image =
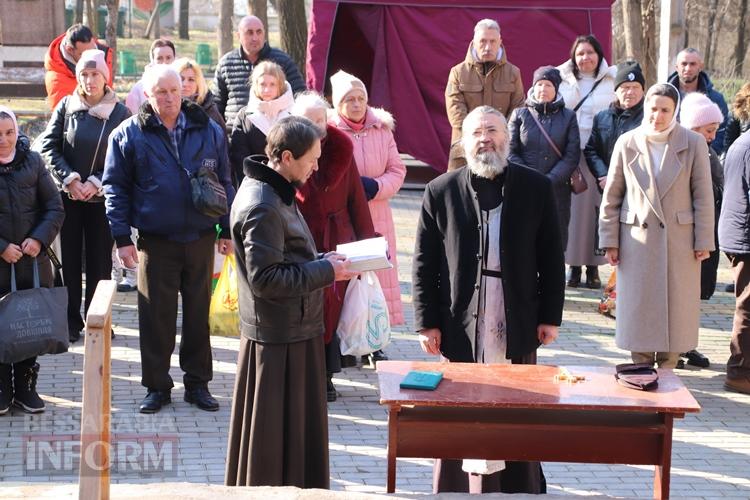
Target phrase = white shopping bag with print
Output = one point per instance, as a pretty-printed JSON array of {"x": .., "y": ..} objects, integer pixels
[{"x": 364, "y": 326}]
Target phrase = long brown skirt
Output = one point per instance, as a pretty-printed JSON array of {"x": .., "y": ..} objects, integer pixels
[
  {"x": 278, "y": 430},
  {"x": 517, "y": 477}
]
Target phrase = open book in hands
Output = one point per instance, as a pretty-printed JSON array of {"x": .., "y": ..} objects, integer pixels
[{"x": 366, "y": 255}]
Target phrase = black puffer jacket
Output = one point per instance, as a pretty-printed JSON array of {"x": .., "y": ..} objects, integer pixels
[
  {"x": 528, "y": 146},
  {"x": 281, "y": 277},
  {"x": 233, "y": 73},
  {"x": 30, "y": 207},
  {"x": 245, "y": 140},
  {"x": 73, "y": 136},
  {"x": 609, "y": 124}
]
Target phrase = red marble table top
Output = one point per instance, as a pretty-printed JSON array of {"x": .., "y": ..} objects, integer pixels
[{"x": 531, "y": 386}]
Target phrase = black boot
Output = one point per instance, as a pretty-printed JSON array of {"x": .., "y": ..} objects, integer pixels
[
  {"x": 330, "y": 389},
  {"x": 574, "y": 277},
  {"x": 6, "y": 388},
  {"x": 592, "y": 278},
  {"x": 24, "y": 385}
]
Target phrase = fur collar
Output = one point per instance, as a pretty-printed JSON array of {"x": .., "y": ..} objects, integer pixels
[
  {"x": 255, "y": 167},
  {"x": 194, "y": 115},
  {"x": 566, "y": 71},
  {"x": 375, "y": 118},
  {"x": 101, "y": 110},
  {"x": 335, "y": 158}
]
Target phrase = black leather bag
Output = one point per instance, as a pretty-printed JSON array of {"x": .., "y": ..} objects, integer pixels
[
  {"x": 209, "y": 196},
  {"x": 34, "y": 321},
  {"x": 640, "y": 376}
]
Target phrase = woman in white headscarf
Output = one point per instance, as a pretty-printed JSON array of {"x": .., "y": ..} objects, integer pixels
[
  {"x": 31, "y": 214},
  {"x": 657, "y": 224}
]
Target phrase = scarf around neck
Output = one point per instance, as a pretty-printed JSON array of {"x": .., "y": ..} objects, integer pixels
[
  {"x": 264, "y": 114},
  {"x": 100, "y": 110}
]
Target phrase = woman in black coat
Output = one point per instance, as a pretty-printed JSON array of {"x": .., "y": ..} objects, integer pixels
[
  {"x": 739, "y": 119},
  {"x": 544, "y": 136},
  {"x": 74, "y": 145},
  {"x": 31, "y": 214},
  {"x": 195, "y": 88}
]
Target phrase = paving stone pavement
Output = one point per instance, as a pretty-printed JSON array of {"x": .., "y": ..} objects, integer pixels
[{"x": 181, "y": 443}]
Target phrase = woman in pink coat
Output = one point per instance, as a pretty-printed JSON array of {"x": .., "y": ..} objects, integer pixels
[{"x": 380, "y": 168}]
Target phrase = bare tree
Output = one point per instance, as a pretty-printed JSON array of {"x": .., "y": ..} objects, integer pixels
[
  {"x": 184, "y": 22},
  {"x": 708, "y": 57},
  {"x": 225, "y": 26},
  {"x": 741, "y": 46},
  {"x": 259, "y": 9},
  {"x": 113, "y": 7},
  {"x": 92, "y": 16},
  {"x": 79, "y": 12},
  {"x": 633, "y": 22},
  {"x": 649, "y": 45},
  {"x": 293, "y": 28}
]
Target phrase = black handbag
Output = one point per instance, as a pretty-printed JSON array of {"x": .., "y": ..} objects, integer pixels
[
  {"x": 34, "y": 321},
  {"x": 209, "y": 196}
]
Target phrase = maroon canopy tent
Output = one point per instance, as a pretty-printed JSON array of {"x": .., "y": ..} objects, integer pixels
[{"x": 403, "y": 51}]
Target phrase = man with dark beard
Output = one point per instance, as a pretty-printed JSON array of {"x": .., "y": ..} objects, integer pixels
[{"x": 488, "y": 278}]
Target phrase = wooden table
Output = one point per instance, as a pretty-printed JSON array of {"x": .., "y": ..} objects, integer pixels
[{"x": 519, "y": 412}]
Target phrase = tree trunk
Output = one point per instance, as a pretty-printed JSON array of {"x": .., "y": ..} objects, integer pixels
[
  {"x": 293, "y": 29},
  {"x": 259, "y": 9},
  {"x": 225, "y": 31},
  {"x": 78, "y": 18},
  {"x": 113, "y": 7},
  {"x": 633, "y": 22},
  {"x": 741, "y": 46},
  {"x": 708, "y": 58},
  {"x": 648, "y": 59},
  {"x": 184, "y": 20},
  {"x": 92, "y": 17}
]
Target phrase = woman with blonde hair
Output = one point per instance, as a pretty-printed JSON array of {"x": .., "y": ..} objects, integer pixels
[
  {"x": 270, "y": 100},
  {"x": 194, "y": 88}
]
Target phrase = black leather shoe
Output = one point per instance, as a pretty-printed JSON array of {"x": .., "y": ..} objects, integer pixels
[
  {"x": 330, "y": 391},
  {"x": 347, "y": 361},
  {"x": 729, "y": 288},
  {"x": 154, "y": 400},
  {"x": 74, "y": 336},
  {"x": 697, "y": 359},
  {"x": 126, "y": 287},
  {"x": 374, "y": 357},
  {"x": 574, "y": 277},
  {"x": 200, "y": 397},
  {"x": 592, "y": 278}
]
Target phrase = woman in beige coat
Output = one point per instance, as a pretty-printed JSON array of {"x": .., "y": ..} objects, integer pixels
[{"x": 656, "y": 224}]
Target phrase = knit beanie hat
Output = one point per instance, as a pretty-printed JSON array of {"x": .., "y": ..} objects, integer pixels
[
  {"x": 629, "y": 71},
  {"x": 92, "y": 59},
  {"x": 549, "y": 73},
  {"x": 342, "y": 83},
  {"x": 698, "y": 110}
]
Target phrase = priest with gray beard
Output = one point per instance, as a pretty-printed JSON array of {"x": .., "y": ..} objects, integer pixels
[{"x": 488, "y": 279}]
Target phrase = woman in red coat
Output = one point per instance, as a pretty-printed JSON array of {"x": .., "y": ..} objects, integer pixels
[{"x": 334, "y": 206}]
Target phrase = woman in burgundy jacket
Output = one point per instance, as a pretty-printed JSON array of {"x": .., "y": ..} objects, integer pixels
[{"x": 334, "y": 206}]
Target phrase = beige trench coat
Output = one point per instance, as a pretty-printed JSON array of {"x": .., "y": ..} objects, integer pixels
[{"x": 657, "y": 222}]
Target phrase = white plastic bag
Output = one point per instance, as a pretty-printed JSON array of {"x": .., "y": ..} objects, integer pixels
[{"x": 364, "y": 326}]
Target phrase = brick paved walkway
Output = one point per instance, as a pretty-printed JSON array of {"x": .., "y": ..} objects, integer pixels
[{"x": 710, "y": 456}]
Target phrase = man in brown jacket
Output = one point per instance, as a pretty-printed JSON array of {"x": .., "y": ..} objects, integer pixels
[{"x": 485, "y": 77}]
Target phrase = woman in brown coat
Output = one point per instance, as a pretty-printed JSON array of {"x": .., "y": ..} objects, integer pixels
[
  {"x": 657, "y": 224},
  {"x": 334, "y": 206}
]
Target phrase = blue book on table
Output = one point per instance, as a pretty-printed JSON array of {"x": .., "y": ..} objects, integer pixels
[{"x": 424, "y": 380}]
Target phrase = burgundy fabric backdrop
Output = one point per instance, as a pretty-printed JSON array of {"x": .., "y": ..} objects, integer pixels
[{"x": 403, "y": 51}]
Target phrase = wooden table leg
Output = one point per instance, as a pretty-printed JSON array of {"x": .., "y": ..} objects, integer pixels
[
  {"x": 392, "y": 447},
  {"x": 661, "y": 472}
]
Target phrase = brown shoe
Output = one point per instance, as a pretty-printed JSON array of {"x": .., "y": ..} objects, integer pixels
[
  {"x": 738, "y": 384},
  {"x": 574, "y": 277}
]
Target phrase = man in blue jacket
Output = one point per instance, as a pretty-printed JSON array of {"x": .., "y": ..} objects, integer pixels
[
  {"x": 690, "y": 77},
  {"x": 734, "y": 239},
  {"x": 150, "y": 160}
]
